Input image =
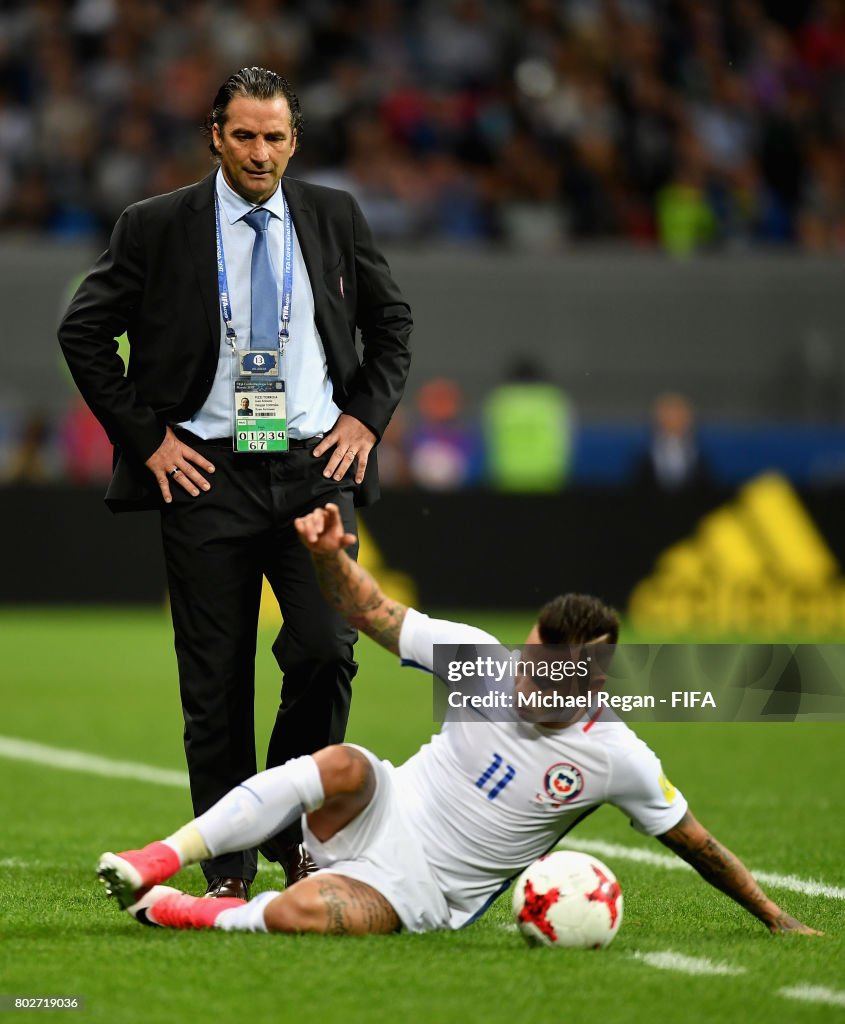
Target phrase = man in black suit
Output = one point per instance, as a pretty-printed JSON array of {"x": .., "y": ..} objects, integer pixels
[{"x": 195, "y": 277}]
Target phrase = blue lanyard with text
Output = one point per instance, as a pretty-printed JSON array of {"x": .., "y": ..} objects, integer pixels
[{"x": 287, "y": 279}]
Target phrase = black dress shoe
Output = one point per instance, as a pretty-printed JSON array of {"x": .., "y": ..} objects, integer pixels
[
  {"x": 296, "y": 863},
  {"x": 238, "y": 888}
]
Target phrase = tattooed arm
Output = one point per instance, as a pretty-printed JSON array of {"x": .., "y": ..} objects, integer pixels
[
  {"x": 348, "y": 587},
  {"x": 722, "y": 869}
]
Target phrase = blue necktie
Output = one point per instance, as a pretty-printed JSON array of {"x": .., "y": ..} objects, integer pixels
[{"x": 264, "y": 303}]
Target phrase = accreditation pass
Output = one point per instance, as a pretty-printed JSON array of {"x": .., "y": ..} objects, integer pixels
[{"x": 260, "y": 416}]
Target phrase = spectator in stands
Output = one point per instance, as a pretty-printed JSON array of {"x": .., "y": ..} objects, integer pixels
[
  {"x": 673, "y": 461},
  {"x": 393, "y": 468},
  {"x": 84, "y": 446},
  {"x": 31, "y": 459},
  {"x": 466, "y": 120},
  {"x": 444, "y": 451},
  {"x": 527, "y": 431}
]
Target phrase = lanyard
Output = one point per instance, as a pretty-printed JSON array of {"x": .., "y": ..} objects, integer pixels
[{"x": 287, "y": 278}]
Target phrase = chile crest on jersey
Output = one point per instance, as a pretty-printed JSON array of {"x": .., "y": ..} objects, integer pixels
[{"x": 562, "y": 783}]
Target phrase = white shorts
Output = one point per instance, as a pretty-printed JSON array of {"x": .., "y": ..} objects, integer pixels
[{"x": 380, "y": 848}]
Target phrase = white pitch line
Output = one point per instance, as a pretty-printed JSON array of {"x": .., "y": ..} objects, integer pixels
[
  {"x": 635, "y": 853},
  {"x": 813, "y": 994},
  {"x": 669, "y": 960},
  {"x": 792, "y": 883},
  {"x": 807, "y": 886},
  {"x": 79, "y": 761}
]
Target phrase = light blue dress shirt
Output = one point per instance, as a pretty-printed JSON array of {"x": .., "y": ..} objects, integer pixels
[{"x": 310, "y": 407}]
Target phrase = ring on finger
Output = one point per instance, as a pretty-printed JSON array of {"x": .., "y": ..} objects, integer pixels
[{"x": 174, "y": 471}]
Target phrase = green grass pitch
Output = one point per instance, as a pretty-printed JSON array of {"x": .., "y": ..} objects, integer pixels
[{"x": 104, "y": 682}]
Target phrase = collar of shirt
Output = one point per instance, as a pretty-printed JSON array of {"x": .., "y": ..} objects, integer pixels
[{"x": 235, "y": 206}]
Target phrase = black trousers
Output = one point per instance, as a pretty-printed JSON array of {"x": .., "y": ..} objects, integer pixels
[{"x": 217, "y": 547}]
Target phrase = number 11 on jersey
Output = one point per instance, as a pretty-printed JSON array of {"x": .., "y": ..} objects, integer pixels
[{"x": 487, "y": 776}]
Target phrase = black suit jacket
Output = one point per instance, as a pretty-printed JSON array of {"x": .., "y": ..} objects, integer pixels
[{"x": 158, "y": 282}]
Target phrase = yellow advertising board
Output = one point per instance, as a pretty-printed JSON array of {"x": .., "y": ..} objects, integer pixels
[{"x": 756, "y": 565}]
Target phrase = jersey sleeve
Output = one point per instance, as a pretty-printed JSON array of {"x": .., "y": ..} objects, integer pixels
[
  {"x": 420, "y": 633},
  {"x": 640, "y": 789}
]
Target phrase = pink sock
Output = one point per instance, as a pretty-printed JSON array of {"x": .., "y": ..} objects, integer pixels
[
  {"x": 167, "y": 859},
  {"x": 183, "y": 911},
  {"x": 155, "y": 863}
]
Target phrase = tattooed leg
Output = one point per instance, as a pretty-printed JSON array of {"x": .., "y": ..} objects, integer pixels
[
  {"x": 332, "y": 905},
  {"x": 348, "y": 783},
  {"x": 329, "y": 903}
]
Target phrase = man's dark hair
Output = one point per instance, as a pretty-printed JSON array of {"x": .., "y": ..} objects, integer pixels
[
  {"x": 256, "y": 84},
  {"x": 577, "y": 619}
]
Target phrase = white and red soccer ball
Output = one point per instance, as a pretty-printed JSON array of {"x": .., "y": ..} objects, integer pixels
[{"x": 568, "y": 899}]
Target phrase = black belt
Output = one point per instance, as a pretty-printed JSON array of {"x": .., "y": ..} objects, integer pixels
[{"x": 226, "y": 442}]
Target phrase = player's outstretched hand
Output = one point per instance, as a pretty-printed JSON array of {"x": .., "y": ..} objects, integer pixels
[
  {"x": 322, "y": 531},
  {"x": 787, "y": 923}
]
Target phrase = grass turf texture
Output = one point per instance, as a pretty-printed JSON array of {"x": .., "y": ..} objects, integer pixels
[{"x": 105, "y": 682}]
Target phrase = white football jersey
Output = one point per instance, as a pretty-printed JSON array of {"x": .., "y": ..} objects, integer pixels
[{"x": 489, "y": 795}]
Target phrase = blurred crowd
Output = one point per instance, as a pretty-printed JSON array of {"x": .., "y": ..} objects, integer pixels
[
  {"x": 519, "y": 439},
  {"x": 681, "y": 123},
  {"x": 522, "y": 436}
]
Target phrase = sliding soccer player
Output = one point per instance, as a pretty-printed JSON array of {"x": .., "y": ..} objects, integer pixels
[{"x": 432, "y": 843}]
